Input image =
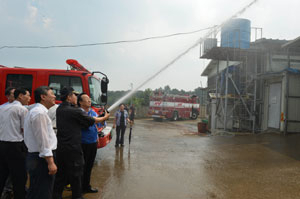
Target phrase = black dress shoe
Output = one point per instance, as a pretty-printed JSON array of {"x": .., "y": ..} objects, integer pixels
[{"x": 90, "y": 190}]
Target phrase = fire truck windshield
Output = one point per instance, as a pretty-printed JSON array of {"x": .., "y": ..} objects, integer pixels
[{"x": 95, "y": 91}]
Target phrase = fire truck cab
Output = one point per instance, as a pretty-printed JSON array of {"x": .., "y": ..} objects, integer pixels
[
  {"x": 173, "y": 107},
  {"x": 77, "y": 77}
]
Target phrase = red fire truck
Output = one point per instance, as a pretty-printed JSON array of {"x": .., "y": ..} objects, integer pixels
[
  {"x": 173, "y": 106},
  {"x": 77, "y": 77}
]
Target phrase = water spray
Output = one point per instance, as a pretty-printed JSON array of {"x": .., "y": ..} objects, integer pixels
[{"x": 216, "y": 29}]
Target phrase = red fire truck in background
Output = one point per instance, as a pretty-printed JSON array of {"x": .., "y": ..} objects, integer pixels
[
  {"x": 173, "y": 106},
  {"x": 78, "y": 77}
]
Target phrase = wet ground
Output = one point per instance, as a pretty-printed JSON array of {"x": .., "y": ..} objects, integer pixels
[{"x": 168, "y": 160}]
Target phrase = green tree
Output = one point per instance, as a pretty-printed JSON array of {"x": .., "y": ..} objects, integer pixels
[
  {"x": 175, "y": 91},
  {"x": 167, "y": 89},
  {"x": 147, "y": 93}
]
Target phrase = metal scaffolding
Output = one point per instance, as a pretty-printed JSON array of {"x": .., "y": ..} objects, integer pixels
[
  {"x": 240, "y": 82},
  {"x": 236, "y": 101}
]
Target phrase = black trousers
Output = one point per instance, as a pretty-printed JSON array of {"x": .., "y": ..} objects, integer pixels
[
  {"x": 120, "y": 130},
  {"x": 89, "y": 154},
  {"x": 70, "y": 164},
  {"x": 41, "y": 183},
  {"x": 12, "y": 162}
]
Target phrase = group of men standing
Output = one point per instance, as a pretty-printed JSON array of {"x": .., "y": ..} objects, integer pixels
[{"x": 28, "y": 143}]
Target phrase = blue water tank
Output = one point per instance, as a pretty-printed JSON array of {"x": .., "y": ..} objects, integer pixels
[{"x": 236, "y": 33}]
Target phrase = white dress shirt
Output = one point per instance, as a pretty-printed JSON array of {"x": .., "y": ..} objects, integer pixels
[
  {"x": 38, "y": 132},
  {"x": 12, "y": 117},
  {"x": 6, "y": 103},
  {"x": 52, "y": 116}
]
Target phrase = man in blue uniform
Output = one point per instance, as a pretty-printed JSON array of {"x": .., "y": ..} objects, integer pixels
[{"x": 89, "y": 143}]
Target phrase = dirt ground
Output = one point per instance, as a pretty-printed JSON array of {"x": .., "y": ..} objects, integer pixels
[{"x": 169, "y": 160}]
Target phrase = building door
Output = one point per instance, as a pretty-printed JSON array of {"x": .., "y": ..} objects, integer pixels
[{"x": 274, "y": 105}]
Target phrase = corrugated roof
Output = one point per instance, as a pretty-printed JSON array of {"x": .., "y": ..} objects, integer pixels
[
  {"x": 209, "y": 67},
  {"x": 292, "y": 44}
]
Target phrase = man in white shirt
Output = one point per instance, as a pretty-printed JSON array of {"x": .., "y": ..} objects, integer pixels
[
  {"x": 52, "y": 116},
  {"x": 41, "y": 142},
  {"x": 12, "y": 148},
  {"x": 9, "y": 94}
]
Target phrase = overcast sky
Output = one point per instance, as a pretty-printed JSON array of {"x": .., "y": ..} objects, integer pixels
[{"x": 53, "y": 22}]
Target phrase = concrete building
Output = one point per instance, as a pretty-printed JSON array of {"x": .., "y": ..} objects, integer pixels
[{"x": 253, "y": 86}]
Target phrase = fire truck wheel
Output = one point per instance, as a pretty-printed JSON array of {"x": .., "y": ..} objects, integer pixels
[
  {"x": 175, "y": 116},
  {"x": 194, "y": 115}
]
